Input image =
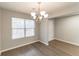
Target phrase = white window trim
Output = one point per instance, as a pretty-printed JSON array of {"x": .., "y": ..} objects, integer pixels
[{"x": 24, "y": 29}]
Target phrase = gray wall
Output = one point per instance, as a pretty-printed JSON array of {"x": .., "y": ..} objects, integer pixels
[
  {"x": 50, "y": 30},
  {"x": 67, "y": 29},
  {"x": 7, "y": 42},
  {"x": 46, "y": 31}
]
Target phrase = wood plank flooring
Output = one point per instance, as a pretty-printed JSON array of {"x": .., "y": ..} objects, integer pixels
[
  {"x": 28, "y": 50},
  {"x": 65, "y": 47},
  {"x": 55, "y": 48}
]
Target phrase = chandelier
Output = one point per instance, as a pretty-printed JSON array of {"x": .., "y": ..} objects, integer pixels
[{"x": 39, "y": 15}]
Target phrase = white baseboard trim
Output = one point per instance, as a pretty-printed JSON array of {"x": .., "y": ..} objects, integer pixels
[
  {"x": 19, "y": 46},
  {"x": 52, "y": 39},
  {"x": 76, "y": 44},
  {"x": 45, "y": 43}
]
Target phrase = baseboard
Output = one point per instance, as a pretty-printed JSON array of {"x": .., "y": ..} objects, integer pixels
[
  {"x": 52, "y": 39},
  {"x": 44, "y": 43},
  {"x": 68, "y": 42},
  {"x": 18, "y": 46}
]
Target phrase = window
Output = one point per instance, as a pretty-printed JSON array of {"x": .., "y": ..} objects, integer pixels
[
  {"x": 30, "y": 26},
  {"x": 22, "y": 28}
]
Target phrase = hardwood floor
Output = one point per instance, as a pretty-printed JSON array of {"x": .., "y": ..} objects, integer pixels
[
  {"x": 55, "y": 48},
  {"x": 65, "y": 47},
  {"x": 28, "y": 50}
]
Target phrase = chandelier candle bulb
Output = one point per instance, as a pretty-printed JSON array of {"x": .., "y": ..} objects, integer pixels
[
  {"x": 46, "y": 15},
  {"x": 34, "y": 17},
  {"x": 33, "y": 13},
  {"x": 42, "y": 13}
]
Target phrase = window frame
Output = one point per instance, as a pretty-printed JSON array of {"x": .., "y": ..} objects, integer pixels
[{"x": 23, "y": 29}]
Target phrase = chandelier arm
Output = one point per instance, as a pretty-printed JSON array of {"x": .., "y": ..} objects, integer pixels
[{"x": 39, "y": 7}]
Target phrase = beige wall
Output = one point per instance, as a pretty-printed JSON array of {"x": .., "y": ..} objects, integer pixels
[
  {"x": 0, "y": 30},
  {"x": 7, "y": 42},
  {"x": 67, "y": 29}
]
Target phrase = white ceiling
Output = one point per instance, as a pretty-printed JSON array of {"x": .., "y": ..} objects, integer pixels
[{"x": 54, "y": 9}]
